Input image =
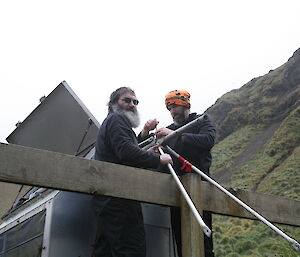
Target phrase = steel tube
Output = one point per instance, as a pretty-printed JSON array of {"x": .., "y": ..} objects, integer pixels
[
  {"x": 176, "y": 133},
  {"x": 205, "y": 228},
  {"x": 294, "y": 243}
]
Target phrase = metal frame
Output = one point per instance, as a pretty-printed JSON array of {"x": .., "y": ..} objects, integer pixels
[{"x": 29, "y": 211}]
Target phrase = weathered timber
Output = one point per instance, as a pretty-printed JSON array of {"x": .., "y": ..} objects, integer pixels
[
  {"x": 274, "y": 208},
  {"x": 192, "y": 233},
  {"x": 29, "y": 166}
]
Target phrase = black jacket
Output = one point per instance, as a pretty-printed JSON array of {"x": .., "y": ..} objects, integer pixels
[
  {"x": 117, "y": 143},
  {"x": 194, "y": 144}
]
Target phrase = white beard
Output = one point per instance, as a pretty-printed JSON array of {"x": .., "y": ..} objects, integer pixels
[{"x": 133, "y": 117}]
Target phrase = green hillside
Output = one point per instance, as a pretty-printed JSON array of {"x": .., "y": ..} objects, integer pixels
[{"x": 258, "y": 149}]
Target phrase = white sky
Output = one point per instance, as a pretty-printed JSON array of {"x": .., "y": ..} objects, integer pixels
[{"x": 205, "y": 47}]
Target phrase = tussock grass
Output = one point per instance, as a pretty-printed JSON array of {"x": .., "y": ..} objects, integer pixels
[
  {"x": 275, "y": 169},
  {"x": 224, "y": 152},
  {"x": 249, "y": 238}
]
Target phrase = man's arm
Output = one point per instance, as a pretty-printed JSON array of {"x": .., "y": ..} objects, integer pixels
[
  {"x": 122, "y": 142},
  {"x": 149, "y": 125},
  {"x": 203, "y": 138}
]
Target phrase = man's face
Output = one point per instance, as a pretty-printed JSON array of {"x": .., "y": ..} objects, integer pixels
[
  {"x": 128, "y": 102},
  {"x": 127, "y": 105},
  {"x": 179, "y": 113}
]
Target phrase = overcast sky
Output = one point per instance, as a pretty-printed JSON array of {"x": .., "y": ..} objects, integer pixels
[{"x": 205, "y": 47}]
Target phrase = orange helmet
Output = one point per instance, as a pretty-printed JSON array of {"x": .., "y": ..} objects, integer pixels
[{"x": 179, "y": 97}]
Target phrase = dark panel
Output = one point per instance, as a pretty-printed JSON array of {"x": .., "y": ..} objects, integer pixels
[
  {"x": 58, "y": 124},
  {"x": 73, "y": 226},
  {"x": 24, "y": 239}
]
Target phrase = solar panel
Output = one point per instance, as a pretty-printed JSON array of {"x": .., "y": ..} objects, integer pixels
[{"x": 60, "y": 123}]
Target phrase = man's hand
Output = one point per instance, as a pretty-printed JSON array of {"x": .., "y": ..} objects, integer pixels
[
  {"x": 162, "y": 132},
  {"x": 149, "y": 125},
  {"x": 153, "y": 149},
  {"x": 165, "y": 159}
]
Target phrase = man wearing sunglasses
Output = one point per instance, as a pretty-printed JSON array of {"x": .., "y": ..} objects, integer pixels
[
  {"x": 120, "y": 221},
  {"x": 194, "y": 145}
]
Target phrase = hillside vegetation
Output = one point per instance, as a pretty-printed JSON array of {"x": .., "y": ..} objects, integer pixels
[{"x": 258, "y": 149}]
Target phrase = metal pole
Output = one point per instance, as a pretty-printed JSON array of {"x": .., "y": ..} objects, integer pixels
[
  {"x": 294, "y": 243},
  {"x": 181, "y": 130},
  {"x": 84, "y": 135},
  {"x": 175, "y": 133},
  {"x": 150, "y": 140},
  {"x": 205, "y": 228}
]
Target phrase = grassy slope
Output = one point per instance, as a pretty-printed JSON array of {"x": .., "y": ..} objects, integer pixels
[
  {"x": 229, "y": 148},
  {"x": 235, "y": 237},
  {"x": 275, "y": 169},
  {"x": 273, "y": 156},
  {"x": 285, "y": 179}
]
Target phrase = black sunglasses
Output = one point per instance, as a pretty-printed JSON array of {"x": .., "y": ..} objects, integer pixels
[{"x": 129, "y": 100}]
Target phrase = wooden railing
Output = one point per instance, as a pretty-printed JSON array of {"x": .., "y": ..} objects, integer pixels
[{"x": 29, "y": 166}]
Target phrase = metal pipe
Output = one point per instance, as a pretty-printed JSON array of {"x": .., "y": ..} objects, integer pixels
[
  {"x": 148, "y": 141},
  {"x": 176, "y": 133},
  {"x": 294, "y": 243},
  {"x": 181, "y": 130},
  {"x": 205, "y": 228},
  {"x": 84, "y": 135}
]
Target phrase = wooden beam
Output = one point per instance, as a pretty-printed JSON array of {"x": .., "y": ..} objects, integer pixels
[
  {"x": 273, "y": 208},
  {"x": 192, "y": 233},
  {"x": 29, "y": 166}
]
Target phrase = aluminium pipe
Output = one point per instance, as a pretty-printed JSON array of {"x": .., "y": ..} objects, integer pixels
[
  {"x": 294, "y": 243},
  {"x": 175, "y": 133},
  {"x": 205, "y": 228},
  {"x": 149, "y": 141},
  {"x": 181, "y": 130}
]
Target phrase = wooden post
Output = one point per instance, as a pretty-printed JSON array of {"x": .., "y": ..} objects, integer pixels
[{"x": 192, "y": 233}]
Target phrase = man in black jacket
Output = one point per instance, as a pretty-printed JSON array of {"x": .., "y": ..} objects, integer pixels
[
  {"x": 194, "y": 145},
  {"x": 120, "y": 221}
]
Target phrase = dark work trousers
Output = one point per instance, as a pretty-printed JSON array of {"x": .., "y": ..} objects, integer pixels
[
  {"x": 176, "y": 227},
  {"x": 120, "y": 228}
]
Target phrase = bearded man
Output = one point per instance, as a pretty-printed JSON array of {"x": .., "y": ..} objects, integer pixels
[
  {"x": 194, "y": 145},
  {"x": 120, "y": 221}
]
